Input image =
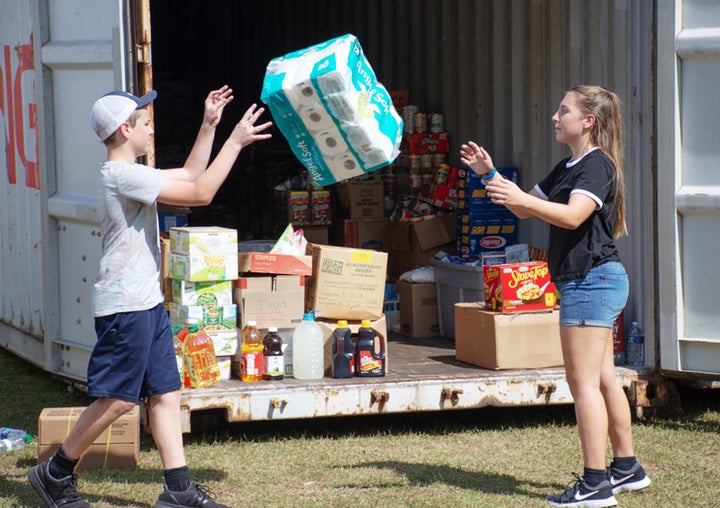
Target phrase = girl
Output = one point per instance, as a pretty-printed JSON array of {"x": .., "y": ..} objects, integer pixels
[{"x": 583, "y": 200}]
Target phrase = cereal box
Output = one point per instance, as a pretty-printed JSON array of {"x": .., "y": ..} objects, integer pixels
[{"x": 519, "y": 287}]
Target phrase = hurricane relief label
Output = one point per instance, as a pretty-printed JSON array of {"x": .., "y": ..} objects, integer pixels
[{"x": 516, "y": 287}]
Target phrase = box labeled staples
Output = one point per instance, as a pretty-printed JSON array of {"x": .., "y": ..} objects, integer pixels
[{"x": 117, "y": 447}]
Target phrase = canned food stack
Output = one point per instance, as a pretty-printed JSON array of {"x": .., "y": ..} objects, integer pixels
[{"x": 203, "y": 262}]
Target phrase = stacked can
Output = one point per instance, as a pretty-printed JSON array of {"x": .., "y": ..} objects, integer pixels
[
  {"x": 437, "y": 122},
  {"x": 409, "y": 117}
]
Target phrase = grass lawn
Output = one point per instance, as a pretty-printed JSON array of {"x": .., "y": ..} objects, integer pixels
[{"x": 494, "y": 457}]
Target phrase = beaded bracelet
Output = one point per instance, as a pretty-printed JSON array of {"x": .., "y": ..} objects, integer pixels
[{"x": 487, "y": 177}]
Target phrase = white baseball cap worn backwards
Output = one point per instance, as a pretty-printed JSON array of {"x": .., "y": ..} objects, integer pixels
[{"x": 112, "y": 109}]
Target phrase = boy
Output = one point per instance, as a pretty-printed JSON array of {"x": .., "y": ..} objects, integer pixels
[{"x": 134, "y": 356}]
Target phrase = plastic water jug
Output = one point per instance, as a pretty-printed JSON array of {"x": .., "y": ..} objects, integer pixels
[{"x": 308, "y": 349}]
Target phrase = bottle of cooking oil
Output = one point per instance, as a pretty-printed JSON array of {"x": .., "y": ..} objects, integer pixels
[
  {"x": 200, "y": 359},
  {"x": 251, "y": 350}
]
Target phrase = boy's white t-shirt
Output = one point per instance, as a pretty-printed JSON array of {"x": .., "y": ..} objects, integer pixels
[{"x": 129, "y": 274}]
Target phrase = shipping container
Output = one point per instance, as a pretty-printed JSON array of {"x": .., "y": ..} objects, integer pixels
[{"x": 496, "y": 69}]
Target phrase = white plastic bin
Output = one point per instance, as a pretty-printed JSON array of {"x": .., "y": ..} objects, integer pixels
[{"x": 455, "y": 283}]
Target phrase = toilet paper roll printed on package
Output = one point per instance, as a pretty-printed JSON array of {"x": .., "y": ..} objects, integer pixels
[{"x": 338, "y": 119}]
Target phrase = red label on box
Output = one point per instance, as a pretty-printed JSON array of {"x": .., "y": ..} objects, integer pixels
[
  {"x": 518, "y": 287},
  {"x": 437, "y": 142}
]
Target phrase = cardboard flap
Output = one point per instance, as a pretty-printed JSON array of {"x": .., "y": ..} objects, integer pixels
[
  {"x": 399, "y": 233},
  {"x": 435, "y": 232}
]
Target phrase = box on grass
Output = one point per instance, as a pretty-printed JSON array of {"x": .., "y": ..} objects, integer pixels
[
  {"x": 418, "y": 309},
  {"x": 346, "y": 283},
  {"x": 117, "y": 447},
  {"x": 494, "y": 340}
]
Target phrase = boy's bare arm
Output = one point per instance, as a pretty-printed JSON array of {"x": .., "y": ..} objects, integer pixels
[
  {"x": 201, "y": 191},
  {"x": 199, "y": 156}
]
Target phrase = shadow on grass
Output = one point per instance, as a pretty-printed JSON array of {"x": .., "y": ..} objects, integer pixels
[{"x": 421, "y": 475}]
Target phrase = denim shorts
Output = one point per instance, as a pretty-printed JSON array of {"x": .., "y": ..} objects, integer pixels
[
  {"x": 134, "y": 356},
  {"x": 595, "y": 300}
]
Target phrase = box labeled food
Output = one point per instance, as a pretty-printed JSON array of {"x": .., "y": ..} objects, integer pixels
[
  {"x": 346, "y": 283},
  {"x": 272, "y": 263},
  {"x": 270, "y": 300},
  {"x": 519, "y": 287},
  {"x": 202, "y": 293},
  {"x": 202, "y": 240},
  {"x": 117, "y": 447},
  {"x": 523, "y": 340},
  {"x": 204, "y": 268}
]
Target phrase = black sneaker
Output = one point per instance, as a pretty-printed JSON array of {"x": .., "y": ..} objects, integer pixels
[
  {"x": 56, "y": 493},
  {"x": 580, "y": 494},
  {"x": 194, "y": 497},
  {"x": 627, "y": 481}
]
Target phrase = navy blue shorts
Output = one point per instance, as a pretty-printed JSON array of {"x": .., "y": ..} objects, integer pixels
[
  {"x": 134, "y": 356},
  {"x": 595, "y": 300}
]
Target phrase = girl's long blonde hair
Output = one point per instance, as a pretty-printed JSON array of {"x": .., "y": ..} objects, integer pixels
[{"x": 606, "y": 134}]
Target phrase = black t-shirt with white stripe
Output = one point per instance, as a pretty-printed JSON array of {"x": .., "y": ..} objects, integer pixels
[{"x": 572, "y": 253}]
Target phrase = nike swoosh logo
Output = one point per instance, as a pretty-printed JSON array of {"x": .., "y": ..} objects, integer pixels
[
  {"x": 581, "y": 497},
  {"x": 615, "y": 482}
]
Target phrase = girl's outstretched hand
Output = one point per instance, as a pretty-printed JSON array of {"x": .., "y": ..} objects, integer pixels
[
  {"x": 476, "y": 158},
  {"x": 215, "y": 103},
  {"x": 246, "y": 132}
]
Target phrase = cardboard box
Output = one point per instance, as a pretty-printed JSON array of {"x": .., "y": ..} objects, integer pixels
[
  {"x": 202, "y": 293},
  {"x": 346, "y": 283},
  {"x": 117, "y": 447},
  {"x": 271, "y": 300},
  {"x": 203, "y": 240},
  {"x": 165, "y": 280},
  {"x": 412, "y": 244},
  {"x": 486, "y": 232},
  {"x": 518, "y": 287},
  {"x": 276, "y": 264},
  {"x": 219, "y": 322},
  {"x": 418, "y": 309},
  {"x": 206, "y": 267},
  {"x": 361, "y": 199},
  {"x": 328, "y": 327},
  {"x": 317, "y": 234},
  {"x": 527, "y": 340},
  {"x": 365, "y": 233}
]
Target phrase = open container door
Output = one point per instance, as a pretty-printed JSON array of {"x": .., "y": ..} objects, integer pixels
[
  {"x": 689, "y": 189},
  {"x": 87, "y": 48}
]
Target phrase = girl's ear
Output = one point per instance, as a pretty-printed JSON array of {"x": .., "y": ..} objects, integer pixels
[{"x": 589, "y": 121}]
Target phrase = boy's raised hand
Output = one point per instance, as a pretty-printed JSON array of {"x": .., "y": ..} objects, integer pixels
[
  {"x": 246, "y": 132},
  {"x": 215, "y": 103}
]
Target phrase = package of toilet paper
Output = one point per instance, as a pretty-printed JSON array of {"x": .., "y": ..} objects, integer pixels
[{"x": 339, "y": 120}]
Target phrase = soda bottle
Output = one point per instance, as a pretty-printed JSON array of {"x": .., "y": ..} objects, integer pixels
[
  {"x": 343, "y": 351},
  {"x": 273, "y": 355},
  {"x": 636, "y": 346},
  {"x": 369, "y": 363},
  {"x": 618, "y": 333},
  {"x": 200, "y": 359},
  {"x": 308, "y": 347},
  {"x": 251, "y": 350}
]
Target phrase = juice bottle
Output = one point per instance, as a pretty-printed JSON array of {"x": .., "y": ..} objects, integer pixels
[
  {"x": 308, "y": 347},
  {"x": 343, "y": 351},
  {"x": 273, "y": 355},
  {"x": 179, "y": 345},
  {"x": 251, "y": 350},
  {"x": 369, "y": 363},
  {"x": 200, "y": 359}
]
